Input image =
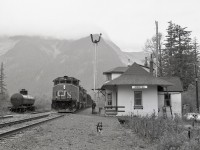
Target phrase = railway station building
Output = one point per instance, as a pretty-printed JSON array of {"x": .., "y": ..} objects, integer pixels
[{"x": 134, "y": 90}]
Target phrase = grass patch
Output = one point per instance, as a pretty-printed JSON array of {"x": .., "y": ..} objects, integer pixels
[
  {"x": 168, "y": 134},
  {"x": 4, "y": 104}
]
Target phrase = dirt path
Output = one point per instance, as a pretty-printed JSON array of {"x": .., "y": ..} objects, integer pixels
[{"x": 75, "y": 132}]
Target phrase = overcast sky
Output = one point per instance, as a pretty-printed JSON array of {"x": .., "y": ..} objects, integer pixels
[{"x": 128, "y": 23}]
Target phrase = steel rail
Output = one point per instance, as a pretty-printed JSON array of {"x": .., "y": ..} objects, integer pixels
[
  {"x": 18, "y": 129},
  {"x": 22, "y": 120}
]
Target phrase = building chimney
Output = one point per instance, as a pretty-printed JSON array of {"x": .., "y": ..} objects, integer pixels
[
  {"x": 129, "y": 62},
  {"x": 145, "y": 63},
  {"x": 151, "y": 65}
]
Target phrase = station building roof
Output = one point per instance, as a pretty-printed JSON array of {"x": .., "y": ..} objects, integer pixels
[
  {"x": 177, "y": 87},
  {"x": 137, "y": 75},
  {"x": 120, "y": 69}
]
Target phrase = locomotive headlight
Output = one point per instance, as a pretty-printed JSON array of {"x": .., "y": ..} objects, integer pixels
[{"x": 64, "y": 87}]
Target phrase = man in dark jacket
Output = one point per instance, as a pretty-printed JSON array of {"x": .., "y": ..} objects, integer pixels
[{"x": 93, "y": 106}]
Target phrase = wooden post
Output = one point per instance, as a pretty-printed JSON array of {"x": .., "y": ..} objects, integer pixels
[{"x": 156, "y": 48}]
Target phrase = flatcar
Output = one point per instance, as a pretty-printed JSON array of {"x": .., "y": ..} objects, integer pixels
[
  {"x": 68, "y": 95},
  {"x": 22, "y": 102}
]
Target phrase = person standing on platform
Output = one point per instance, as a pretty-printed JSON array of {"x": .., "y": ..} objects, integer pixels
[{"x": 93, "y": 106}]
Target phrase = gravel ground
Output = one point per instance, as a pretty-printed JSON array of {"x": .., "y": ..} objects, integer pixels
[{"x": 76, "y": 132}]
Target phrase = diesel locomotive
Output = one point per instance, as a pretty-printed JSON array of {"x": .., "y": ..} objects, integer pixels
[{"x": 68, "y": 95}]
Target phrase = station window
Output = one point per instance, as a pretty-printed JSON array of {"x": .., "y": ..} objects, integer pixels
[
  {"x": 167, "y": 99},
  {"x": 108, "y": 77},
  {"x": 109, "y": 98},
  {"x": 138, "y": 100}
]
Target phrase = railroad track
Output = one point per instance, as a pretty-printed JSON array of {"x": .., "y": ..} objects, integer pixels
[
  {"x": 6, "y": 116},
  {"x": 73, "y": 111},
  {"x": 13, "y": 127}
]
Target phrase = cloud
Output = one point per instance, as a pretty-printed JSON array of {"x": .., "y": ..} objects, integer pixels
[{"x": 128, "y": 23}]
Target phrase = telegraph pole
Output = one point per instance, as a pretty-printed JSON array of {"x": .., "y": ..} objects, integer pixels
[
  {"x": 196, "y": 76},
  {"x": 95, "y": 61},
  {"x": 156, "y": 22}
]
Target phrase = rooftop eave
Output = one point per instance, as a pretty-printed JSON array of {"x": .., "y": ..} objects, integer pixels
[
  {"x": 105, "y": 73},
  {"x": 110, "y": 84}
]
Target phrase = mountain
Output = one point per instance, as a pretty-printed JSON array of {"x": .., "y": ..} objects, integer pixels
[
  {"x": 137, "y": 57},
  {"x": 34, "y": 62}
]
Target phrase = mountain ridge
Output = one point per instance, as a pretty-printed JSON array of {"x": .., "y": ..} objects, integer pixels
[{"x": 33, "y": 62}]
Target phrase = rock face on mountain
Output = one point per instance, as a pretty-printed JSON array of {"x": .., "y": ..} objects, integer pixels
[{"x": 33, "y": 62}]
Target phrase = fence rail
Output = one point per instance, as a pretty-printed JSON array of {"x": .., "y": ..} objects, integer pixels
[{"x": 113, "y": 109}]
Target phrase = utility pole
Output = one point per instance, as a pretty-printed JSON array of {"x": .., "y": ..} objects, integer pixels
[
  {"x": 196, "y": 76},
  {"x": 95, "y": 62},
  {"x": 156, "y": 22},
  {"x": 160, "y": 57}
]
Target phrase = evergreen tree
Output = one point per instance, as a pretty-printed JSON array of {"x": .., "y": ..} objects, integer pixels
[
  {"x": 178, "y": 55},
  {"x": 168, "y": 52},
  {"x": 2, "y": 82}
]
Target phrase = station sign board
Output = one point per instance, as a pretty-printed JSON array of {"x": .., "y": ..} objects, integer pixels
[{"x": 140, "y": 87}]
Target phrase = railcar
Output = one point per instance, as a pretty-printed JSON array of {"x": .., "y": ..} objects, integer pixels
[
  {"x": 22, "y": 102},
  {"x": 68, "y": 95}
]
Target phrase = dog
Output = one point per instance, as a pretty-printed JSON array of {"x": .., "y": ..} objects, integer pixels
[
  {"x": 121, "y": 121},
  {"x": 99, "y": 127}
]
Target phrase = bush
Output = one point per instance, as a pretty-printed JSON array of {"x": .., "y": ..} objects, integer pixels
[
  {"x": 191, "y": 145},
  {"x": 189, "y": 97},
  {"x": 167, "y": 133},
  {"x": 172, "y": 141},
  {"x": 152, "y": 127}
]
